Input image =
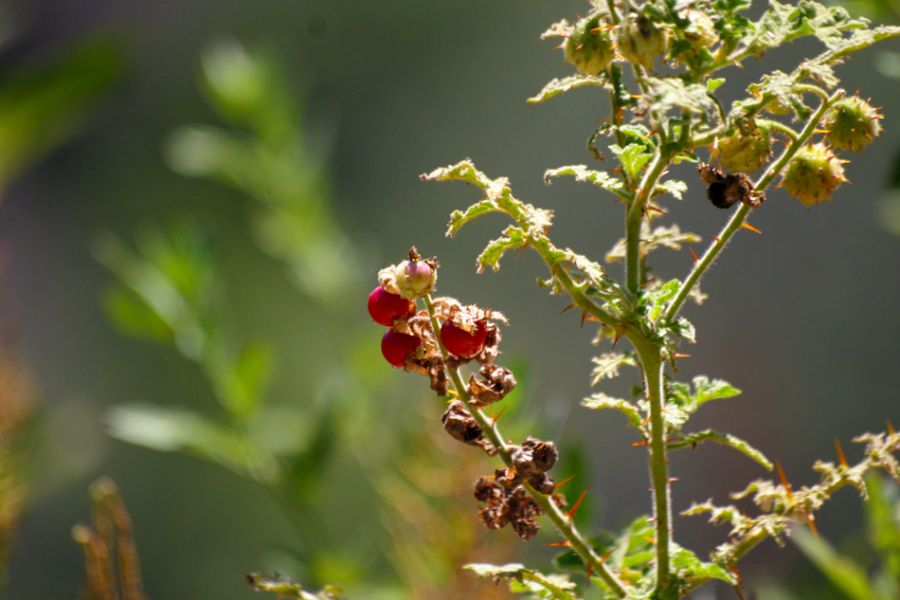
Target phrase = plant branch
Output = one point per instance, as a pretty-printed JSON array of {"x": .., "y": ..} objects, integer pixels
[
  {"x": 563, "y": 522},
  {"x": 633, "y": 218},
  {"x": 652, "y": 366},
  {"x": 740, "y": 215}
]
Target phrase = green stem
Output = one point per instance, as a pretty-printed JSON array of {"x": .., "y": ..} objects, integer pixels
[
  {"x": 740, "y": 215},
  {"x": 778, "y": 126},
  {"x": 563, "y": 522},
  {"x": 633, "y": 218},
  {"x": 652, "y": 366}
]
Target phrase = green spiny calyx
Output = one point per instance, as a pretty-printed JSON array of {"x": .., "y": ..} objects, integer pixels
[
  {"x": 747, "y": 148},
  {"x": 813, "y": 174},
  {"x": 589, "y": 47},
  {"x": 852, "y": 124},
  {"x": 640, "y": 40}
]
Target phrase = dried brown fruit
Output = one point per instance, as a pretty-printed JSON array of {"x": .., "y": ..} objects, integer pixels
[{"x": 724, "y": 190}]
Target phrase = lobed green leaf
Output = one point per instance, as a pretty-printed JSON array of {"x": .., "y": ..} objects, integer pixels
[
  {"x": 558, "y": 86},
  {"x": 581, "y": 173}
]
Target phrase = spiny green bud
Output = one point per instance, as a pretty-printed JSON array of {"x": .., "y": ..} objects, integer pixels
[
  {"x": 852, "y": 124},
  {"x": 589, "y": 47},
  {"x": 701, "y": 30},
  {"x": 813, "y": 174},
  {"x": 640, "y": 40},
  {"x": 747, "y": 148}
]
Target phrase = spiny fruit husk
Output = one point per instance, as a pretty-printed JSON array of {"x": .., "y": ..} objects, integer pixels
[
  {"x": 701, "y": 30},
  {"x": 747, "y": 149},
  {"x": 852, "y": 124},
  {"x": 640, "y": 40},
  {"x": 589, "y": 48},
  {"x": 813, "y": 174}
]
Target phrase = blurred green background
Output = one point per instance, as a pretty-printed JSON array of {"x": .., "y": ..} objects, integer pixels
[{"x": 803, "y": 318}]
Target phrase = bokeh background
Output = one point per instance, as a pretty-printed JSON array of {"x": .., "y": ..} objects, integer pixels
[{"x": 802, "y": 318}]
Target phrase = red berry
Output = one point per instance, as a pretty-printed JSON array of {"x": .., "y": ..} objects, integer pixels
[
  {"x": 460, "y": 342},
  {"x": 384, "y": 306},
  {"x": 396, "y": 346}
]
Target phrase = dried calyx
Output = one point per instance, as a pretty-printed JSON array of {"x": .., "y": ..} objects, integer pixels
[
  {"x": 508, "y": 501},
  {"x": 462, "y": 427}
]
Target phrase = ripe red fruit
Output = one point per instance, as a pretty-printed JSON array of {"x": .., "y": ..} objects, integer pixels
[
  {"x": 460, "y": 342},
  {"x": 396, "y": 346},
  {"x": 385, "y": 307}
]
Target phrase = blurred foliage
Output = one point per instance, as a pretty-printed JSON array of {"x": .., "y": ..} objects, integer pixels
[
  {"x": 171, "y": 289},
  {"x": 17, "y": 406},
  {"x": 111, "y": 563},
  {"x": 43, "y": 105},
  {"x": 268, "y": 156}
]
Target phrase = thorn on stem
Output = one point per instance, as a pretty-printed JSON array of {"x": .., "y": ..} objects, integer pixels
[
  {"x": 784, "y": 481},
  {"x": 577, "y": 504},
  {"x": 750, "y": 227},
  {"x": 693, "y": 253},
  {"x": 563, "y": 482},
  {"x": 840, "y": 453}
]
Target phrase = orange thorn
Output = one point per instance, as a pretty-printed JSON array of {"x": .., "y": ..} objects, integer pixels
[
  {"x": 562, "y": 544},
  {"x": 673, "y": 479},
  {"x": 569, "y": 307},
  {"x": 693, "y": 254},
  {"x": 811, "y": 522},
  {"x": 590, "y": 570},
  {"x": 715, "y": 237},
  {"x": 645, "y": 421},
  {"x": 784, "y": 482},
  {"x": 750, "y": 227},
  {"x": 496, "y": 417},
  {"x": 840, "y": 453},
  {"x": 617, "y": 337},
  {"x": 680, "y": 355},
  {"x": 577, "y": 504},
  {"x": 583, "y": 317},
  {"x": 639, "y": 444},
  {"x": 563, "y": 482},
  {"x": 890, "y": 428}
]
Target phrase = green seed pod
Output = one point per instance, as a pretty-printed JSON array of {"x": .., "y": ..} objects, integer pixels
[
  {"x": 747, "y": 149},
  {"x": 589, "y": 48},
  {"x": 640, "y": 41},
  {"x": 813, "y": 174},
  {"x": 852, "y": 124}
]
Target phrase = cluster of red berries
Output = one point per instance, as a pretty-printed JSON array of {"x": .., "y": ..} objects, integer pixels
[
  {"x": 464, "y": 332},
  {"x": 387, "y": 308}
]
